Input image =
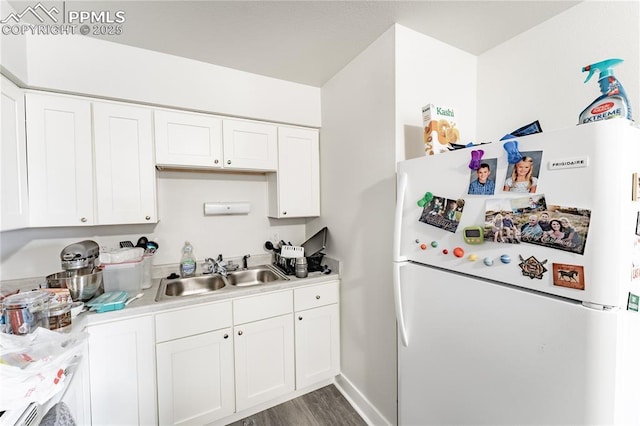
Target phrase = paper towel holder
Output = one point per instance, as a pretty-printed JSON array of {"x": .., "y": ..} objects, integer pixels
[{"x": 226, "y": 208}]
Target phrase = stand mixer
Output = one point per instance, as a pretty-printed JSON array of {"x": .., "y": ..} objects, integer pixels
[
  {"x": 80, "y": 273},
  {"x": 80, "y": 255}
]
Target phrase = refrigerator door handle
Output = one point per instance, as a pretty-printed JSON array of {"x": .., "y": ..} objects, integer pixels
[
  {"x": 397, "y": 296},
  {"x": 397, "y": 223}
]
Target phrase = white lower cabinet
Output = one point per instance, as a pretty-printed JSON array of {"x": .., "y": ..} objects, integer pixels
[
  {"x": 264, "y": 349},
  {"x": 209, "y": 361},
  {"x": 122, "y": 372},
  {"x": 317, "y": 330},
  {"x": 195, "y": 378},
  {"x": 194, "y": 355}
]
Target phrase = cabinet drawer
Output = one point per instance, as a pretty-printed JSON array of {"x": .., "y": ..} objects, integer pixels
[
  {"x": 194, "y": 320},
  {"x": 317, "y": 295},
  {"x": 261, "y": 307}
]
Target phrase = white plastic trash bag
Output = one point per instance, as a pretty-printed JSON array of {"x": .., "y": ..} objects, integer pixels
[{"x": 33, "y": 366}]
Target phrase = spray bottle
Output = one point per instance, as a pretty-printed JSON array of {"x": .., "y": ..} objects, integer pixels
[{"x": 613, "y": 102}]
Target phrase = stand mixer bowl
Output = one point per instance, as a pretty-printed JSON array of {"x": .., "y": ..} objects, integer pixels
[{"x": 82, "y": 286}]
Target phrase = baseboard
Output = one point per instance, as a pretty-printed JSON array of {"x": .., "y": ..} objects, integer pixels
[{"x": 359, "y": 402}]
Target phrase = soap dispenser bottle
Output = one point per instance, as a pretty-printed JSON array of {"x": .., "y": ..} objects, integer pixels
[{"x": 188, "y": 261}]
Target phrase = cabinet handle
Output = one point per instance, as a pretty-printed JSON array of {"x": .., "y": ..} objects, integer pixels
[
  {"x": 284, "y": 213},
  {"x": 226, "y": 336},
  {"x": 240, "y": 333},
  {"x": 228, "y": 161},
  {"x": 300, "y": 318},
  {"x": 83, "y": 219},
  {"x": 215, "y": 161},
  {"x": 147, "y": 217},
  {"x": 318, "y": 297}
]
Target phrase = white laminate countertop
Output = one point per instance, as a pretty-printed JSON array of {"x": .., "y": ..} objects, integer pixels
[{"x": 147, "y": 303}]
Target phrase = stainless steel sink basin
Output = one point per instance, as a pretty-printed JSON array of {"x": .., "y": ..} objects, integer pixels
[
  {"x": 190, "y": 286},
  {"x": 206, "y": 284},
  {"x": 254, "y": 276}
]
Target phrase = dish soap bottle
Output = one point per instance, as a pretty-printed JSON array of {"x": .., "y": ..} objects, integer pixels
[
  {"x": 612, "y": 102},
  {"x": 188, "y": 261}
]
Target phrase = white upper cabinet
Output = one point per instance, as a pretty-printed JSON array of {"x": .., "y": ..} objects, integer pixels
[
  {"x": 14, "y": 203},
  {"x": 249, "y": 145},
  {"x": 295, "y": 190},
  {"x": 191, "y": 140},
  {"x": 89, "y": 168},
  {"x": 188, "y": 139},
  {"x": 125, "y": 171},
  {"x": 60, "y": 161}
]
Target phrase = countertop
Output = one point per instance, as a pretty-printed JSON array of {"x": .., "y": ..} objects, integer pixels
[{"x": 147, "y": 303}]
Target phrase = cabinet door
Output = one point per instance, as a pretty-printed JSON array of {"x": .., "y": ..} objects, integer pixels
[
  {"x": 125, "y": 171},
  {"x": 317, "y": 345},
  {"x": 122, "y": 372},
  {"x": 195, "y": 378},
  {"x": 264, "y": 360},
  {"x": 14, "y": 212},
  {"x": 250, "y": 145},
  {"x": 60, "y": 162},
  {"x": 294, "y": 191},
  {"x": 188, "y": 139}
]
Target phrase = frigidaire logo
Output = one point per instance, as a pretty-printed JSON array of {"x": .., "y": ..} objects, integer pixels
[{"x": 52, "y": 21}]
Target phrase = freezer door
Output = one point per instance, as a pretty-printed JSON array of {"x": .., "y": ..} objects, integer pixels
[
  {"x": 602, "y": 186},
  {"x": 484, "y": 353}
]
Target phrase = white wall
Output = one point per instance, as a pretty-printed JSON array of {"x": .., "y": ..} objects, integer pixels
[
  {"x": 78, "y": 64},
  {"x": 357, "y": 153},
  {"x": 429, "y": 71},
  {"x": 371, "y": 114},
  {"x": 538, "y": 74},
  {"x": 13, "y": 50}
]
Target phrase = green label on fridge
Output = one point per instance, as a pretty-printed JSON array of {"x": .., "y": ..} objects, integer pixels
[{"x": 632, "y": 304}]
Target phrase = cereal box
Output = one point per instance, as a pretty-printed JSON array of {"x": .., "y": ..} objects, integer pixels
[{"x": 439, "y": 129}]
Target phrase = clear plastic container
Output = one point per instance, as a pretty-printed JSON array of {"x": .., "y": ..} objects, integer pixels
[
  {"x": 59, "y": 316},
  {"x": 24, "y": 312},
  {"x": 123, "y": 276},
  {"x": 146, "y": 270}
]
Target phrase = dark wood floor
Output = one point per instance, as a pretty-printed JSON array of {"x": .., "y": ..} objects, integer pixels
[{"x": 323, "y": 407}]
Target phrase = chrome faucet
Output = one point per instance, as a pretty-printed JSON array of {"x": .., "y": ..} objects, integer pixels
[{"x": 217, "y": 267}]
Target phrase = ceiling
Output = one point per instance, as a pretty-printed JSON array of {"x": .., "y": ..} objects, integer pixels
[{"x": 309, "y": 41}]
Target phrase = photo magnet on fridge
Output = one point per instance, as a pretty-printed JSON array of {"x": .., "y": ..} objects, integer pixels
[
  {"x": 443, "y": 213},
  {"x": 570, "y": 276},
  {"x": 483, "y": 180},
  {"x": 523, "y": 175}
]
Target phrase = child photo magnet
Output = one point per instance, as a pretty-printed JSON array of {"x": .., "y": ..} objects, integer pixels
[
  {"x": 483, "y": 180},
  {"x": 523, "y": 176}
]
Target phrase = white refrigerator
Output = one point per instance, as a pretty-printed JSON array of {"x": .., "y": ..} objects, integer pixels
[{"x": 502, "y": 323}]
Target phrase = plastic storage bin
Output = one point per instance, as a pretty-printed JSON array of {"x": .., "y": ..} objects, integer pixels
[{"x": 123, "y": 276}]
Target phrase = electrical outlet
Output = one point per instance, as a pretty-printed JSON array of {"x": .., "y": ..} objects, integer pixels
[{"x": 275, "y": 238}]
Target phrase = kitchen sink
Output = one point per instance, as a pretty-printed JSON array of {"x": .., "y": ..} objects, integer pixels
[
  {"x": 190, "y": 286},
  {"x": 254, "y": 276},
  {"x": 206, "y": 284}
]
